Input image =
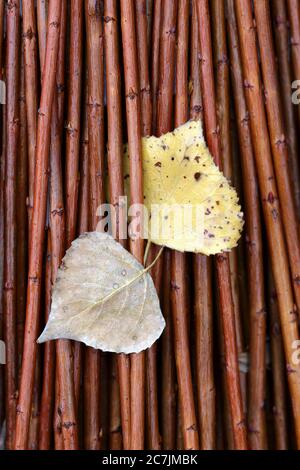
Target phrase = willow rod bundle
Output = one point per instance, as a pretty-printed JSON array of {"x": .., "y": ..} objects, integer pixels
[
  {"x": 37, "y": 228},
  {"x": 110, "y": 111},
  {"x": 222, "y": 261},
  {"x": 268, "y": 192},
  {"x": 137, "y": 373}
]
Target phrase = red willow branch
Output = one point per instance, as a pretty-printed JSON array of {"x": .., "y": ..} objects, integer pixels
[
  {"x": 153, "y": 437},
  {"x": 163, "y": 63},
  {"x": 164, "y": 119},
  {"x": 133, "y": 110},
  {"x": 149, "y": 13},
  {"x": 10, "y": 232},
  {"x": 21, "y": 219},
  {"x": 2, "y": 170},
  {"x": 294, "y": 20},
  {"x": 196, "y": 108},
  {"x": 278, "y": 141},
  {"x": 154, "y": 72},
  {"x": 281, "y": 30},
  {"x": 94, "y": 33},
  {"x": 270, "y": 203},
  {"x": 47, "y": 397},
  {"x": 278, "y": 371},
  {"x": 73, "y": 141},
  {"x": 73, "y": 120},
  {"x": 22, "y": 250},
  {"x": 153, "y": 434},
  {"x": 64, "y": 357},
  {"x": 2, "y": 14},
  {"x": 115, "y": 171},
  {"x": 203, "y": 305},
  {"x": 31, "y": 91},
  {"x": 83, "y": 226},
  {"x": 222, "y": 260},
  {"x": 42, "y": 14},
  {"x": 168, "y": 373},
  {"x": 143, "y": 65},
  {"x": 60, "y": 73},
  {"x": 115, "y": 423},
  {"x": 179, "y": 300},
  {"x": 38, "y": 231},
  {"x": 254, "y": 247},
  {"x": 223, "y": 118},
  {"x": 83, "y": 199}
]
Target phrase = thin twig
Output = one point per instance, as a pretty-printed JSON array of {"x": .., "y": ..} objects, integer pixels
[
  {"x": 294, "y": 21},
  {"x": 281, "y": 30},
  {"x": 10, "y": 233},
  {"x": 137, "y": 373},
  {"x": 47, "y": 396},
  {"x": 256, "y": 300},
  {"x": 143, "y": 63},
  {"x": 73, "y": 120},
  {"x": 203, "y": 307},
  {"x": 269, "y": 199},
  {"x": 222, "y": 260},
  {"x": 115, "y": 171},
  {"x": 278, "y": 372},
  {"x": 38, "y": 231},
  {"x": 168, "y": 373},
  {"x": 93, "y": 17},
  {"x": 64, "y": 359},
  {"x": 31, "y": 90},
  {"x": 178, "y": 260},
  {"x": 278, "y": 141},
  {"x": 60, "y": 73},
  {"x": 155, "y": 59},
  {"x": 22, "y": 238}
]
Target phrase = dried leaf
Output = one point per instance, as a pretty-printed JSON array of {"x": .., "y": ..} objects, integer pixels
[
  {"x": 178, "y": 170},
  {"x": 103, "y": 297}
]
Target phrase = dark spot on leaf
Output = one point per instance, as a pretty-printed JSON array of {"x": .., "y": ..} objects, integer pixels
[{"x": 197, "y": 176}]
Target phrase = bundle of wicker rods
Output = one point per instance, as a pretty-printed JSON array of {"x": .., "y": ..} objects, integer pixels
[{"x": 81, "y": 78}]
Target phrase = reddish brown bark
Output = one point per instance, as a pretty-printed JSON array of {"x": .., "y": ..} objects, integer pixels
[
  {"x": 281, "y": 28},
  {"x": 38, "y": 232},
  {"x": 96, "y": 197},
  {"x": 133, "y": 110},
  {"x": 116, "y": 186},
  {"x": 10, "y": 220},
  {"x": 179, "y": 300},
  {"x": 222, "y": 260},
  {"x": 47, "y": 396},
  {"x": 73, "y": 120},
  {"x": 203, "y": 308},
  {"x": 256, "y": 298},
  {"x": 31, "y": 90},
  {"x": 268, "y": 193}
]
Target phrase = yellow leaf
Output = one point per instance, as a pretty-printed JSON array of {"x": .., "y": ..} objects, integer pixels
[{"x": 179, "y": 173}]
